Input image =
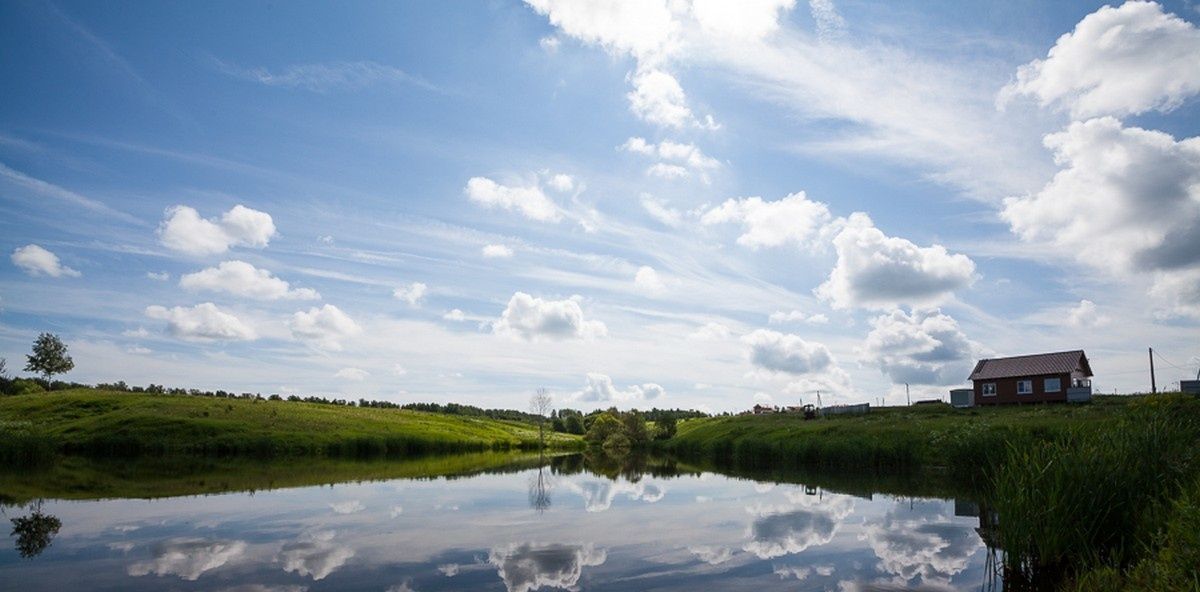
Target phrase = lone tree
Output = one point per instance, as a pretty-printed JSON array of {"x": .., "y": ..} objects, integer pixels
[
  {"x": 540, "y": 404},
  {"x": 35, "y": 532},
  {"x": 49, "y": 357}
]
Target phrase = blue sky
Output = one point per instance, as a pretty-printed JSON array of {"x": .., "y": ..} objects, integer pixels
[{"x": 697, "y": 204}]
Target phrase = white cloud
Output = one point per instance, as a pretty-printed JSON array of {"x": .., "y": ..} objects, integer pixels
[
  {"x": 188, "y": 558},
  {"x": 711, "y": 555},
  {"x": 658, "y": 98},
  {"x": 1177, "y": 293},
  {"x": 530, "y": 200},
  {"x": 746, "y": 19},
  {"x": 158, "y": 276},
  {"x": 1086, "y": 315},
  {"x": 243, "y": 279},
  {"x": 202, "y": 322},
  {"x": 643, "y": 28},
  {"x": 533, "y": 318},
  {"x": 787, "y": 533},
  {"x": 646, "y": 280},
  {"x": 659, "y": 211},
  {"x": 448, "y": 569},
  {"x": 793, "y": 219},
  {"x": 455, "y": 315},
  {"x": 139, "y": 333},
  {"x": 1118, "y": 61},
  {"x": 36, "y": 261},
  {"x": 925, "y": 347},
  {"x": 324, "y": 327},
  {"x": 1126, "y": 199},
  {"x": 874, "y": 270},
  {"x": 780, "y": 317},
  {"x": 599, "y": 388},
  {"x": 667, "y": 171},
  {"x": 347, "y": 507},
  {"x": 677, "y": 160},
  {"x": 412, "y": 294},
  {"x": 497, "y": 251},
  {"x": 561, "y": 183},
  {"x": 184, "y": 230},
  {"x": 711, "y": 331},
  {"x": 830, "y": 24},
  {"x": 352, "y": 374},
  {"x": 779, "y": 352}
]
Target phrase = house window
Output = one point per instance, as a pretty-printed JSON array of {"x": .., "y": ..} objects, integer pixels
[
  {"x": 1024, "y": 387},
  {"x": 989, "y": 389},
  {"x": 1053, "y": 385}
]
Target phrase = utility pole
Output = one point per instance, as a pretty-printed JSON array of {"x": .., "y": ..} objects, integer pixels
[
  {"x": 907, "y": 398},
  {"x": 1153, "y": 385}
]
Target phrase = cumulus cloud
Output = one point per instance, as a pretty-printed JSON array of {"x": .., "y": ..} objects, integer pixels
[
  {"x": 185, "y": 231},
  {"x": 561, "y": 182},
  {"x": 658, "y": 98},
  {"x": 533, "y": 318},
  {"x": 530, "y": 201},
  {"x": 497, "y": 251},
  {"x": 413, "y": 294},
  {"x": 324, "y": 328},
  {"x": 528, "y": 567},
  {"x": 779, "y": 352},
  {"x": 243, "y": 279},
  {"x": 794, "y": 219},
  {"x": 1118, "y": 61},
  {"x": 600, "y": 388},
  {"x": 924, "y": 347},
  {"x": 675, "y": 159},
  {"x": 780, "y": 317},
  {"x": 188, "y": 558},
  {"x": 202, "y": 322},
  {"x": 1177, "y": 293},
  {"x": 641, "y": 29},
  {"x": 874, "y": 270},
  {"x": 352, "y": 374},
  {"x": 314, "y": 555},
  {"x": 711, "y": 555},
  {"x": 711, "y": 331},
  {"x": 455, "y": 315},
  {"x": 930, "y": 548},
  {"x": 36, "y": 261},
  {"x": 1125, "y": 199},
  {"x": 646, "y": 280},
  {"x": 1086, "y": 314}
]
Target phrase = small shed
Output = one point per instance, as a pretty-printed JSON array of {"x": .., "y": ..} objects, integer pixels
[
  {"x": 1191, "y": 387},
  {"x": 962, "y": 398}
]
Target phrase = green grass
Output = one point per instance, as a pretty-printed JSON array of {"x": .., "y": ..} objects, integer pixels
[
  {"x": 895, "y": 438},
  {"x": 88, "y": 421}
]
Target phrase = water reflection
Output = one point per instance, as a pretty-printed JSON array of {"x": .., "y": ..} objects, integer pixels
[
  {"x": 34, "y": 532},
  {"x": 614, "y": 524}
]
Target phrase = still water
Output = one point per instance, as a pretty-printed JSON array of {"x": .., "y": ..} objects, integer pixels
[{"x": 567, "y": 525}]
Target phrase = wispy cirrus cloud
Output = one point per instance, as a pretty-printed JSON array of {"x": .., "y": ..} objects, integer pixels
[{"x": 324, "y": 77}]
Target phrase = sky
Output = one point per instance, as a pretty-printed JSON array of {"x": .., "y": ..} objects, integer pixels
[{"x": 676, "y": 203}]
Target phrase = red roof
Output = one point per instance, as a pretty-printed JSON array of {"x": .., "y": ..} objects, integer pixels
[{"x": 1032, "y": 365}]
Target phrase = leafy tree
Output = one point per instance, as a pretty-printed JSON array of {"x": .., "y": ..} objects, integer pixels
[
  {"x": 603, "y": 426},
  {"x": 3, "y": 368},
  {"x": 665, "y": 428},
  {"x": 617, "y": 444},
  {"x": 573, "y": 424},
  {"x": 35, "y": 532},
  {"x": 49, "y": 357},
  {"x": 634, "y": 428}
]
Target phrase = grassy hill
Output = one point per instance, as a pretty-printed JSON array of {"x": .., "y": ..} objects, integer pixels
[{"x": 112, "y": 422}]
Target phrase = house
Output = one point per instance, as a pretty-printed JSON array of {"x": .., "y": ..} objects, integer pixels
[
  {"x": 1038, "y": 378},
  {"x": 763, "y": 409}
]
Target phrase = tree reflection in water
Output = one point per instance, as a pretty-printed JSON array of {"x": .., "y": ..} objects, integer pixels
[
  {"x": 539, "y": 488},
  {"x": 35, "y": 532}
]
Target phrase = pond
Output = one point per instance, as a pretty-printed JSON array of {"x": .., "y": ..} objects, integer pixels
[{"x": 519, "y": 525}]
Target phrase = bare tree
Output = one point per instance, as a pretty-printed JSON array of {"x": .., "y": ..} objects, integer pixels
[{"x": 541, "y": 405}]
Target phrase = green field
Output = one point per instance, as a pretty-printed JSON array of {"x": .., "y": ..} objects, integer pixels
[{"x": 89, "y": 421}]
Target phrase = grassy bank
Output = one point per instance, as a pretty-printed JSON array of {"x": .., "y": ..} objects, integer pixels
[
  {"x": 98, "y": 422},
  {"x": 894, "y": 438}
]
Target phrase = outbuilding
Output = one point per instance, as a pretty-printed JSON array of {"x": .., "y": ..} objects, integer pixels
[{"x": 1037, "y": 378}]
